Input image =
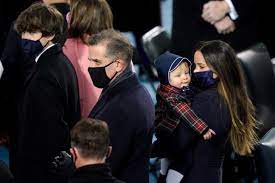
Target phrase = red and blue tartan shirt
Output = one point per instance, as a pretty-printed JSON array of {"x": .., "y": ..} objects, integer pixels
[{"x": 172, "y": 108}]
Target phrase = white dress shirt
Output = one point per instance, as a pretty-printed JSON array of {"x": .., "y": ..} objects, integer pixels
[
  {"x": 1, "y": 69},
  {"x": 36, "y": 59},
  {"x": 232, "y": 12}
]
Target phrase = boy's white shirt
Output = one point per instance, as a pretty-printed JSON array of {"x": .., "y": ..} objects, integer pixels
[
  {"x": 232, "y": 12},
  {"x": 36, "y": 59}
]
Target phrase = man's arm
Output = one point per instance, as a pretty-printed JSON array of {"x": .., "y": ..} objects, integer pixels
[{"x": 225, "y": 26}]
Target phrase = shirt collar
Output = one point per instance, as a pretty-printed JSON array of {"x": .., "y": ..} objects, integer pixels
[{"x": 36, "y": 59}]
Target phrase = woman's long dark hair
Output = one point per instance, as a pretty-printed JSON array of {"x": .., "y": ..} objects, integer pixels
[{"x": 222, "y": 59}]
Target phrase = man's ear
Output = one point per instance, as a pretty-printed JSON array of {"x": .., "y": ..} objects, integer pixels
[
  {"x": 74, "y": 153},
  {"x": 71, "y": 151},
  {"x": 120, "y": 65},
  {"x": 31, "y": 36},
  {"x": 45, "y": 40},
  {"x": 50, "y": 38},
  {"x": 109, "y": 151}
]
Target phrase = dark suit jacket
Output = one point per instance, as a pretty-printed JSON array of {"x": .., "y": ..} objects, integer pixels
[
  {"x": 129, "y": 111},
  {"x": 128, "y": 19},
  {"x": 207, "y": 156},
  {"x": 98, "y": 173},
  {"x": 189, "y": 28},
  {"x": 48, "y": 110}
]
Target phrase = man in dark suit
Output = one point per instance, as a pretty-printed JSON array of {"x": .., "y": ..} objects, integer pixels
[
  {"x": 232, "y": 21},
  {"x": 50, "y": 104},
  {"x": 124, "y": 104}
]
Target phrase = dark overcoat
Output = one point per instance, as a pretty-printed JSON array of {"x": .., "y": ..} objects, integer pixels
[
  {"x": 129, "y": 111},
  {"x": 47, "y": 111}
]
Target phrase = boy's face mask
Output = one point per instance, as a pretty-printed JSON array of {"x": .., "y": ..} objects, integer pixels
[
  {"x": 31, "y": 48},
  {"x": 204, "y": 80}
]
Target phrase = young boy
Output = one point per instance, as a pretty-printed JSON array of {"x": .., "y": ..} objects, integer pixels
[
  {"x": 174, "y": 97},
  {"x": 49, "y": 105}
]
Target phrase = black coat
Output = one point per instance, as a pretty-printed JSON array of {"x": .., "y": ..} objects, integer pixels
[
  {"x": 98, "y": 173},
  {"x": 207, "y": 155},
  {"x": 129, "y": 111},
  {"x": 48, "y": 110},
  {"x": 16, "y": 66},
  {"x": 189, "y": 27},
  {"x": 129, "y": 19}
]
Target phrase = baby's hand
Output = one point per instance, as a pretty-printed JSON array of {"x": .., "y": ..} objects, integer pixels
[{"x": 208, "y": 135}]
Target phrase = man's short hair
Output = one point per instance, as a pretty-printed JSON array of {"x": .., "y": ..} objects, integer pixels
[
  {"x": 117, "y": 45},
  {"x": 91, "y": 138},
  {"x": 43, "y": 18}
]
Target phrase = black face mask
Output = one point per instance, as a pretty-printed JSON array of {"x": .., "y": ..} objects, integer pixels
[
  {"x": 99, "y": 76},
  {"x": 31, "y": 48}
]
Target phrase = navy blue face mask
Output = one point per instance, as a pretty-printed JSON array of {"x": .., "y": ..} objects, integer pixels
[
  {"x": 204, "y": 80},
  {"x": 31, "y": 48}
]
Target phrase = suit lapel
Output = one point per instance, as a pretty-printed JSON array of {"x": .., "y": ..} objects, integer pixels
[{"x": 99, "y": 105}]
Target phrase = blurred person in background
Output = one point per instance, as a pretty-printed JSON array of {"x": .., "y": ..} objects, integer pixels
[
  {"x": 232, "y": 21},
  {"x": 87, "y": 17}
]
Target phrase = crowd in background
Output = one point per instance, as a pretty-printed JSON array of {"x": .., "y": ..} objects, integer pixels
[{"x": 71, "y": 65}]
